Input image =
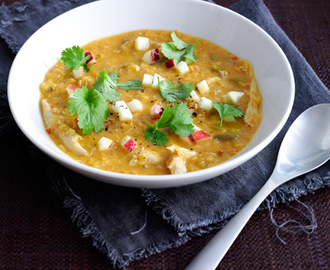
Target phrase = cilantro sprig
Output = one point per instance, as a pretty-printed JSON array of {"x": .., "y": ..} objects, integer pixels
[
  {"x": 106, "y": 85},
  {"x": 225, "y": 109},
  {"x": 171, "y": 92},
  {"x": 178, "y": 118},
  {"x": 91, "y": 108},
  {"x": 73, "y": 58},
  {"x": 177, "y": 49}
]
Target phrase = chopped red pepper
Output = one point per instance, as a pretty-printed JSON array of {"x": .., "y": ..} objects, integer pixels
[
  {"x": 234, "y": 58},
  {"x": 48, "y": 130},
  {"x": 189, "y": 139}
]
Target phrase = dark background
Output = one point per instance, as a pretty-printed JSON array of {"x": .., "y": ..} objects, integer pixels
[{"x": 37, "y": 233}]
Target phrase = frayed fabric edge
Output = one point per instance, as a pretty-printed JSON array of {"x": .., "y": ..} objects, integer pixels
[
  {"x": 89, "y": 229},
  {"x": 199, "y": 227}
]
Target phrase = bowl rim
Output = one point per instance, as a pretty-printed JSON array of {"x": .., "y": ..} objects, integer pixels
[{"x": 152, "y": 181}]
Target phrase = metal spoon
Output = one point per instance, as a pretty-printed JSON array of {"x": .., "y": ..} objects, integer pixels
[{"x": 305, "y": 147}]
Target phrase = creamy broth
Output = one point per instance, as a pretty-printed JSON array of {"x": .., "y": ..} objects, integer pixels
[{"x": 222, "y": 71}]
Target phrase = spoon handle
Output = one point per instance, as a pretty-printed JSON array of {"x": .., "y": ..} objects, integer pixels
[{"x": 211, "y": 255}]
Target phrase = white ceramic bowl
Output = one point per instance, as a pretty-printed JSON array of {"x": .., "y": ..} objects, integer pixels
[{"x": 103, "y": 18}]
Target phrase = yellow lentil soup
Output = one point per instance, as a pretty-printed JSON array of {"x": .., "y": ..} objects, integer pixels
[{"x": 120, "y": 144}]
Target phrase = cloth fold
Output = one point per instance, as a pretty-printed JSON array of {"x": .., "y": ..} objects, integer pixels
[{"x": 127, "y": 224}]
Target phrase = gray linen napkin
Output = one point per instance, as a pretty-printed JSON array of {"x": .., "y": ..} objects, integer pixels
[{"x": 127, "y": 224}]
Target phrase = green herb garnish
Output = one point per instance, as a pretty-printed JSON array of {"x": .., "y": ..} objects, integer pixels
[
  {"x": 171, "y": 92},
  {"x": 106, "y": 85},
  {"x": 178, "y": 118},
  {"x": 73, "y": 58},
  {"x": 91, "y": 107},
  {"x": 178, "y": 49},
  {"x": 225, "y": 109}
]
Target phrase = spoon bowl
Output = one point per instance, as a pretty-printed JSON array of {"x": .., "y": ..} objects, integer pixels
[{"x": 305, "y": 147}]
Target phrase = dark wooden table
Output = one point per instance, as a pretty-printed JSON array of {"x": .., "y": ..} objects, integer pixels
[{"x": 37, "y": 233}]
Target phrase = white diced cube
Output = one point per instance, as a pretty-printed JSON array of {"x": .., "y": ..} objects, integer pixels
[
  {"x": 134, "y": 105},
  {"x": 182, "y": 67},
  {"x": 147, "y": 80},
  {"x": 78, "y": 73},
  {"x": 125, "y": 114},
  {"x": 203, "y": 87},
  {"x": 104, "y": 144},
  {"x": 194, "y": 95},
  {"x": 205, "y": 103},
  {"x": 118, "y": 105},
  {"x": 157, "y": 78},
  {"x": 234, "y": 96},
  {"x": 141, "y": 43}
]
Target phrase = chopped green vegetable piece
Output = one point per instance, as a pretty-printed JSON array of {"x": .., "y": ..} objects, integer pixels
[
  {"x": 91, "y": 107},
  {"x": 171, "y": 92},
  {"x": 178, "y": 118},
  {"x": 225, "y": 109},
  {"x": 236, "y": 80},
  {"x": 73, "y": 58},
  {"x": 178, "y": 49}
]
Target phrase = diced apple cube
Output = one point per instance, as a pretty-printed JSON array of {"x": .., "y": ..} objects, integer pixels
[
  {"x": 71, "y": 88},
  {"x": 182, "y": 67},
  {"x": 234, "y": 96},
  {"x": 129, "y": 143},
  {"x": 125, "y": 115},
  {"x": 203, "y": 87},
  {"x": 200, "y": 135},
  {"x": 78, "y": 73},
  {"x": 205, "y": 103},
  {"x": 194, "y": 96},
  {"x": 134, "y": 105},
  {"x": 117, "y": 105},
  {"x": 170, "y": 63},
  {"x": 157, "y": 78},
  {"x": 91, "y": 58},
  {"x": 147, "y": 80},
  {"x": 142, "y": 43},
  {"x": 104, "y": 144},
  {"x": 123, "y": 111},
  {"x": 156, "y": 109},
  {"x": 151, "y": 56}
]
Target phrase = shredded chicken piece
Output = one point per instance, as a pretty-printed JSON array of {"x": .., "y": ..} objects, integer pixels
[
  {"x": 68, "y": 135},
  {"x": 177, "y": 162},
  {"x": 253, "y": 105},
  {"x": 144, "y": 157}
]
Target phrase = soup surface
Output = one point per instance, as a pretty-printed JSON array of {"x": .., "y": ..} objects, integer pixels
[{"x": 217, "y": 95}]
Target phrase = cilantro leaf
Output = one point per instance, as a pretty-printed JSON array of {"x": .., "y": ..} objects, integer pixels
[
  {"x": 225, "y": 109},
  {"x": 129, "y": 85},
  {"x": 171, "y": 92},
  {"x": 178, "y": 49},
  {"x": 105, "y": 85},
  {"x": 177, "y": 42},
  {"x": 181, "y": 122},
  {"x": 156, "y": 136},
  {"x": 190, "y": 52},
  {"x": 170, "y": 52},
  {"x": 91, "y": 107},
  {"x": 178, "y": 118},
  {"x": 73, "y": 58},
  {"x": 114, "y": 76}
]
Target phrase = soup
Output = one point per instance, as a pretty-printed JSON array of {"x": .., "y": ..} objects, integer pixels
[{"x": 151, "y": 102}]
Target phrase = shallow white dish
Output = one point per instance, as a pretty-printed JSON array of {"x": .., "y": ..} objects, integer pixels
[{"x": 104, "y": 18}]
